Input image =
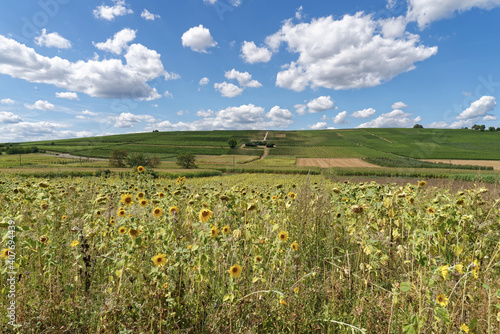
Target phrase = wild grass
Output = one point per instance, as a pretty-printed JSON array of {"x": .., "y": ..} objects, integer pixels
[{"x": 315, "y": 256}]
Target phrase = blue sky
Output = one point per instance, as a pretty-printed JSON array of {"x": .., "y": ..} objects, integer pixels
[{"x": 74, "y": 68}]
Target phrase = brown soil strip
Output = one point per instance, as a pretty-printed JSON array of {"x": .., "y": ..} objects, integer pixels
[
  {"x": 333, "y": 162},
  {"x": 488, "y": 163}
]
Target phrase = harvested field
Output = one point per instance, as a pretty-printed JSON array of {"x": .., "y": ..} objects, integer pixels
[
  {"x": 489, "y": 163},
  {"x": 333, "y": 162}
]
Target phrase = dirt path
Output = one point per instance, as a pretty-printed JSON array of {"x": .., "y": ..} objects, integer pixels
[
  {"x": 265, "y": 137},
  {"x": 334, "y": 162},
  {"x": 387, "y": 140},
  {"x": 488, "y": 163},
  {"x": 70, "y": 156}
]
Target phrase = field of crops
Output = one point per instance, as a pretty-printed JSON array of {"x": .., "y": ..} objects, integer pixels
[{"x": 246, "y": 253}]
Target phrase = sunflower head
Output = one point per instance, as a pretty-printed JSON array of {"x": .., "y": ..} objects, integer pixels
[
  {"x": 226, "y": 229},
  {"x": 127, "y": 199},
  {"x": 173, "y": 210},
  {"x": 443, "y": 270},
  {"x": 6, "y": 253},
  {"x": 143, "y": 202},
  {"x": 460, "y": 268},
  {"x": 157, "y": 212},
  {"x": 205, "y": 215},
  {"x": 122, "y": 230},
  {"x": 133, "y": 233},
  {"x": 121, "y": 213},
  {"x": 258, "y": 259},
  {"x": 422, "y": 184},
  {"x": 159, "y": 260},
  {"x": 165, "y": 285},
  {"x": 296, "y": 290},
  {"x": 161, "y": 194},
  {"x": 74, "y": 243},
  {"x": 140, "y": 195},
  {"x": 292, "y": 195},
  {"x": 442, "y": 300},
  {"x": 214, "y": 231},
  {"x": 295, "y": 246},
  {"x": 283, "y": 302},
  {"x": 235, "y": 271},
  {"x": 140, "y": 169},
  {"x": 283, "y": 236},
  {"x": 430, "y": 210},
  {"x": 44, "y": 239}
]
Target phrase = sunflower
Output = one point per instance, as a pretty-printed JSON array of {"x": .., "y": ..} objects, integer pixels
[
  {"x": 205, "y": 215},
  {"x": 173, "y": 210},
  {"x": 443, "y": 270},
  {"x": 431, "y": 210},
  {"x": 74, "y": 243},
  {"x": 98, "y": 213},
  {"x": 122, "y": 230},
  {"x": 460, "y": 201},
  {"x": 159, "y": 260},
  {"x": 475, "y": 269},
  {"x": 258, "y": 258},
  {"x": 296, "y": 290},
  {"x": 295, "y": 246},
  {"x": 292, "y": 195},
  {"x": 140, "y": 195},
  {"x": 165, "y": 285},
  {"x": 143, "y": 202},
  {"x": 214, "y": 232},
  {"x": 140, "y": 169},
  {"x": 465, "y": 328},
  {"x": 442, "y": 300},
  {"x": 161, "y": 194},
  {"x": 283, "y": 236},
  {"x": 422, "y": 184},
  {"x": 121, "y": 213},
  {"x": 133, "y": 233},
  {"x": 127, "y": 199},
  {"x": 460, "y": 268},
  {"x": 235, "y": 271},
  {"x": 225, "y": 229},
  {"x": 157, "y": 212},
  {"x": 111, "y": 222},
  {"x": 283, "y": 302},
  {"x": 64, "y": 217},
  {"x": 44, "y": 239},
  {"x": 5, "y": 253}
]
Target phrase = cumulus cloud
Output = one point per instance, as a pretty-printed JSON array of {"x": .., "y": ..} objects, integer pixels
[
  {"x": 399, "y": 105},
  {"x": 244, "y": 79},
  {"x": 425, "y": 12},
  {"x": 67, "y": 95},
  {"x": 393, "y": 27},
  {"x": 149, "y": 16},
  {"x": 7, "y": 101},
  {"x": 278, "y": 114},
  {"x": 320, "y": 104},
  {"x": 393, "y": 119},
  {"x": 479, "y": 108},
  {"x": 204, "y": 81},
  {"x": 299, "y": 13},
  {"x": 346, "y": 53},
  {"x": 488, "y": 118},
  {"x": 41, "y": 105},
  {"x": 127, "y": 120},
  {"x": 109, "y": 78},
  {"x": 340, "y": 118},
  {"x": 318, "y": 126},
  {"x": 228, "y": 89},
  {"x": 252, "y": 54},
  {"x": 110, "y": 12},
  {"x": 52, "y": 40},
  {"x": 9, "y": 117},
  {"x": 453, "y": 125},
  {"x": 300, "y": 109},
  {"x": 32, "y": 131},
  {"x": 198, "y": 39},
  {"x": 118, "y": 42},
  {"x": 365, "y": 113}
]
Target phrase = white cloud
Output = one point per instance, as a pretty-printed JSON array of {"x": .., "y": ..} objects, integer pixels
[
  {"x": 320, "y": 104},
  {"x": 399, "y": 105},
  {"x": 110, "y": 12},
  {"x": 52, "y": 40},
  {"x": 453, "y": 125},
  {"x": 204, "y": 113},
  {"x": 278, "y": 114},
  {"x": 41, "y": 105},
  {"x": 89, "y": 113},
  {"x": 228, "y": 89},
  {"x": 119, "y": 42},
  {"x": 235, "y": 3},
  {"x": 204, "y": 81},
  {"x": 210, "y": 1},
  {"x": 127, "y": 120},
  {"x": 488, "y": 118},
  {"x": 67, "y": 95},
  {"x": 109, "y": 78},
  {"x": 24, "y": 131},
  {"x": 252, "y": 54},
  {"x": 299, "y": 13},
  {"x": 344, "y": 54},
  {"x": 244, "y": 79},
  {"x": 198, "y": 39},
  {"x": 167, "y": 94},
  {"x": 318, "y": 126},
  {"x": 393, "y": 119},
  {"x": 426, "y": 11},
  {"x": 300, "y": 109},
  {"x": 479, "y": 108},
  {"x": 365, "y": 113},
  {"x": 81, "y": 117},
  {"x": 7, "y": 101},
  {"x": 393, "y": 27},
  {"x": 9, "y": 117},
  {"x": 149, "y": 16},
  {"x": 340, "y": 118}
]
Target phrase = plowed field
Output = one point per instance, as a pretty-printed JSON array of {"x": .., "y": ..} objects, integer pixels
[{"x": 334, "y": 162}]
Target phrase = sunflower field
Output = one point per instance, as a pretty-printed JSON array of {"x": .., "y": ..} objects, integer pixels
[{"x": 246, "y": 254}]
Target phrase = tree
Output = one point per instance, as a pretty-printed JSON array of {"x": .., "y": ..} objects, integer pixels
[
  {"x": 418, "y": 126},
  {"x": 117, "y": 158},
  {"x": 492, "y": 128},
  {"x": 137, "y": 159},
  {"x": 186, "y": 160},
  {"x": 232, "y": 143},
  {"x": 482, "y": 127}
]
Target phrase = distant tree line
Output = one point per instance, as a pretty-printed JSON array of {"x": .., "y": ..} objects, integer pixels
[{"x": 15, "y": 149}]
